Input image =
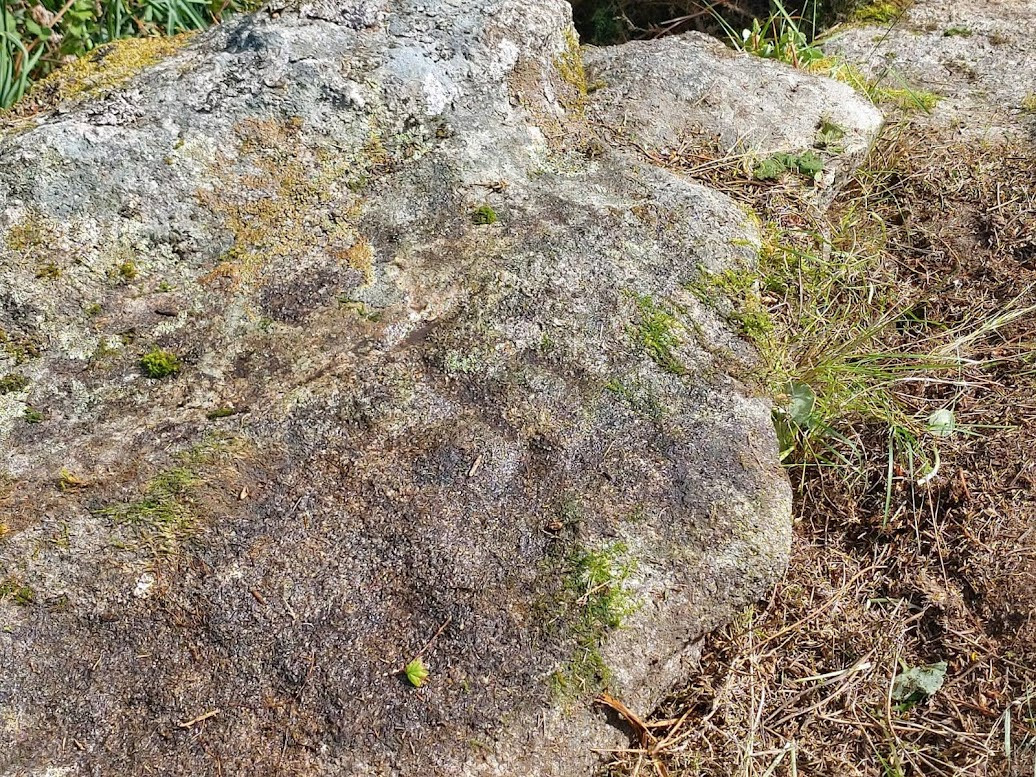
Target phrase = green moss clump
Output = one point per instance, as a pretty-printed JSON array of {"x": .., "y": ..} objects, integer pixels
[
  {"x": 221, "y": 412},
  {"x": 167, "y": 512},
  {"x": 658, "y": 332},
  {"x": 880, "y": 12},
  {"x": 163, "y": 516},
  {"x": 21, "y": 594},
  {"x": 48, "y": 271},
  {"x": 32, "y": 416},
  {"x": 19, "y": 348},
  {"x": 807, "y": 163},
  {"x": 908, "y": 99},
  {"x": 484, "y": 214},
  {"x": 569, "y": 65},
  {"x": 957, "y": 32},
  {"x": 128, "y": 270},
  {"x": 596, "y": 599},
  {"x": 734, "y": 294},
  {"x": 12, "y": 382},
  {"x": 640, "y": 397},
  {"x": 158, "y": 363}
]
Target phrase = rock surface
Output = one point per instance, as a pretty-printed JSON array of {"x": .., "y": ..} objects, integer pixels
[
  {"x": 338, "y": 337},
  {"x": 692, "y": 92},
  {"x": 975, "y": 55}
]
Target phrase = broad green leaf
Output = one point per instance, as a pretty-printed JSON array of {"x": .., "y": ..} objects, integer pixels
[
  {"x": 942, "y": 423},
  {"x": 809, "y": 163},
  {"x": 801, "y": 402},
  {"x": 918, "y": 682}
]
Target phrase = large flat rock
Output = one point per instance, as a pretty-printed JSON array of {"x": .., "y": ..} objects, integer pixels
[{"x": 437, "y": 386}]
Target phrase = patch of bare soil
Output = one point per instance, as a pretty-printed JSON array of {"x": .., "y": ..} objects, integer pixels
[{"x": 894, "y": 567}]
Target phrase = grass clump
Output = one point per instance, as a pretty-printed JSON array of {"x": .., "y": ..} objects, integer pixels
[
  {"x": 158, "y": 363},
  {"x": 168, "y": 511},
  {"x": 596, "y": 599},
  {"x": 779, "y": 37},
  {"x": 904, "y": 320},
  {"x": 659, "y": 333}
]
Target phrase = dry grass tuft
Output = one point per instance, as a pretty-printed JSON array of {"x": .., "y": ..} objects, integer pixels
[{"x": 915, "y": 543}]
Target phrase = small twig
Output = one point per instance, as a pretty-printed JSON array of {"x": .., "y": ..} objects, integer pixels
[
  {"x": 428, "y": 644},
  {"x": 199, "y": 719}
]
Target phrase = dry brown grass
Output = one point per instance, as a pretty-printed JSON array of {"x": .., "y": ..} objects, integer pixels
[{"x": 894, "y": 566}]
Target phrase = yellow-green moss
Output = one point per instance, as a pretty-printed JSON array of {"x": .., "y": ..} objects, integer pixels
[
  {"x": 360, "y": 256},
  {"x": 659, "y": 334},
  {"x": 103, "y": 70},
  {"x": 569, "y": 66},
  {"x": 484, "y": 214},
  {"x": 880, "y": 12},
  {"x": 128, "y": 270},
  {"x": 739, "y": 290},
  {"x": 18, "y": 592},
  {"x": 280, "y": 207},
  {"x": 13, "y": 382},
  {"x": 158, "y": 363},
  {"x": 29, "y": 234},
  {"x": 876, "y": 90},
  {"x": 19, "y": 348},
  {"x": 595, "y": 599}
]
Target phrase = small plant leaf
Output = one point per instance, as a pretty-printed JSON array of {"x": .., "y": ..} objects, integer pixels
[
  {"x": 801, "y": 402},
  {"x": 808, "y": 163},
  {"x": 942, "y": 423},
  {"x": 416, "y": 672},
  {"x": 769, "y": 168},
  {"x": 918, "y": 682}
]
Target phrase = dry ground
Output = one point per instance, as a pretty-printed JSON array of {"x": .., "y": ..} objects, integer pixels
[{"x": 932, "y": 251}]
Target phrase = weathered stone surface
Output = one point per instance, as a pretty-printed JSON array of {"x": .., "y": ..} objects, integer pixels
[
  {"x": 975, "y": 56},
  {"x": 523, "y": 449},
  {"x": 691, "y": 93}
]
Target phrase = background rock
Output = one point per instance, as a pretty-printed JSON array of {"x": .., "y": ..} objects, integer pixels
[
  {"x": 444, "y": 383},
  {"x": 693, "y": 94}
]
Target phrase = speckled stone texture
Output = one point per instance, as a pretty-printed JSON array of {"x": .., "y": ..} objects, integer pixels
[
  {"x": 975, "y": 55},
  {"x": 393, "y": 430}
]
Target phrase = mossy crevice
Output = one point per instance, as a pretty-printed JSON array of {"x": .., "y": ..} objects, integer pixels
[
  {"x": 659, "y": 333},
  {"x": 169, "y": 510},
  {"x": 595, "y": 599},
  {"x": 734, "y": 294}
]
